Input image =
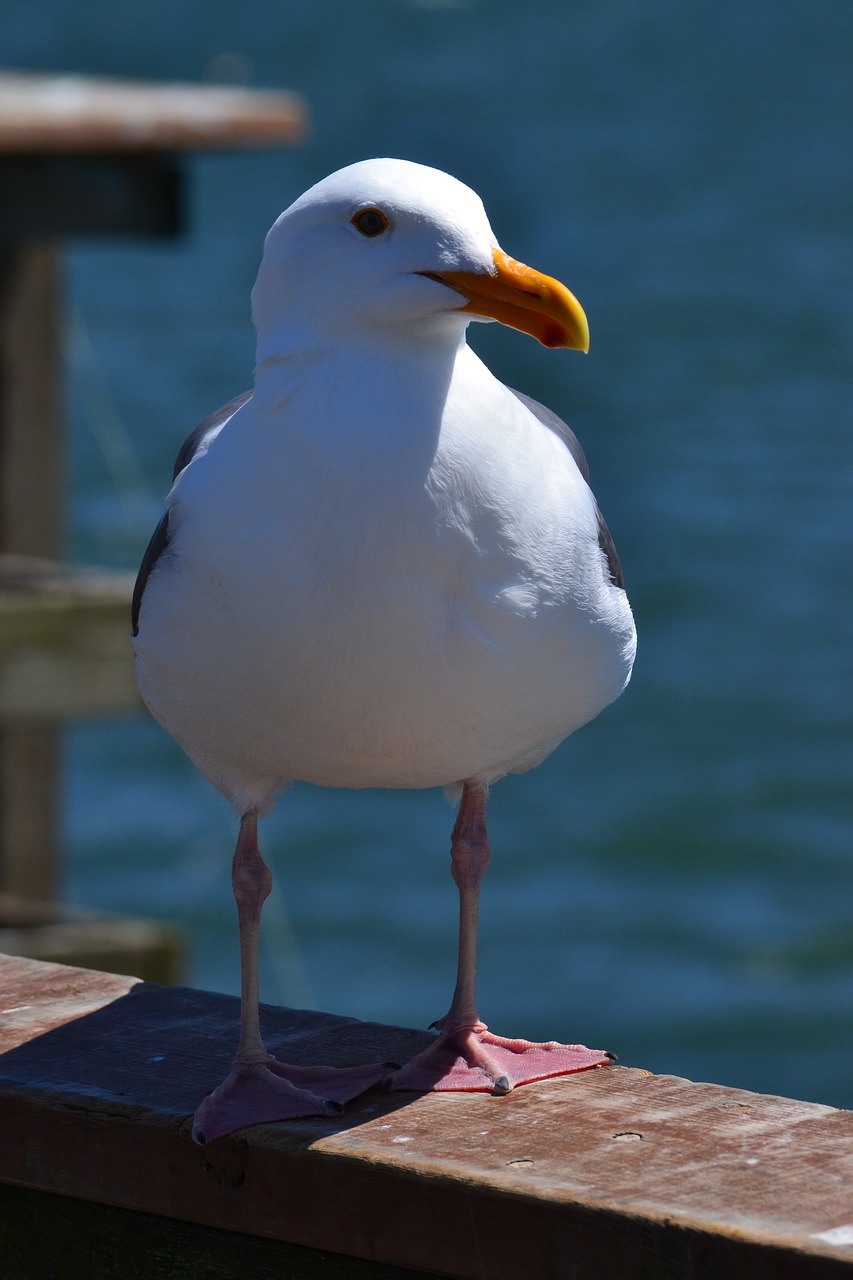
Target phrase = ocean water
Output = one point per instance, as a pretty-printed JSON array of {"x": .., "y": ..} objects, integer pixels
[{"x": 676, "y": 882}]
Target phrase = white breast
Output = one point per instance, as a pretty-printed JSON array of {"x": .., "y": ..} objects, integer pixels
[{"x": 410, "y": 597}]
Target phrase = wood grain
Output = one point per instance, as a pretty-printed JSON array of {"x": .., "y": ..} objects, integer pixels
[{"x": 613, "y": 1173}]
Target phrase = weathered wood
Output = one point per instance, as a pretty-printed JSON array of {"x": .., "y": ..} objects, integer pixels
[
  {"x": 82, "y": 113},
  {"x": 65, "y": 646},
  {"x": 612, "y": 1173}
]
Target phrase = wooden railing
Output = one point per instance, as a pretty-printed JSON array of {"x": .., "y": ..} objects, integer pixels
[{"x": 613, "y": 1174}]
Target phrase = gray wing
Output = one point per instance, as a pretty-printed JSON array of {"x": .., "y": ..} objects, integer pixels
[
  {"x": 160, "y": 538},
  {"x": 555, "y": 424}
]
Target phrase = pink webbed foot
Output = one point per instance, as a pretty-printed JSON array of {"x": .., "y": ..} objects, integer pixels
[
  {"x": 266, "y": 1091},
  {"x": 474, "y": 1060}
]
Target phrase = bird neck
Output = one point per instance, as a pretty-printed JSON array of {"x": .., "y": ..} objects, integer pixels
[{"x": 362, "y": 403}]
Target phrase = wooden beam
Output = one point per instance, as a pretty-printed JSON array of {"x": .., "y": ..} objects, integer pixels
[
  {"x": 65, "y": 648},
  {"x": 613, "y": 1174},
  {"x": 65, "y": 113}
]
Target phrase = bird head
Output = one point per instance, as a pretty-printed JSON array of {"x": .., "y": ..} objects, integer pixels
[{"x": 392, "y": 247}]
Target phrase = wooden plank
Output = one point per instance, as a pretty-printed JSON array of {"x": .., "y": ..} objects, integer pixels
[
  {"x": 64, "y": 113},
  {"x": 612, "y": 1173},
  {"x": 65, "y": 647}
]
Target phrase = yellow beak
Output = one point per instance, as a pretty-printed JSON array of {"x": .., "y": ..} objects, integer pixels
[{"x": 524, "y": 299}]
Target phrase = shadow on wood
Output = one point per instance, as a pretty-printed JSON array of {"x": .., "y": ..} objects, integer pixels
[{"x": 613, "y": 1173}]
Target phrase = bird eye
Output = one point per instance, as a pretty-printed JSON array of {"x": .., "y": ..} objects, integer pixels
[{"x": 370, "y": 222}]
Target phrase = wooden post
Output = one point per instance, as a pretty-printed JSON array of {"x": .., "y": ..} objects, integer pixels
[
  {"x": 30, "y": 524},
  {"x": 30, "y": 449},
  {"x": 78, "y": 156},
  {"x": 29, "y": 834},
  {"x": 612, "y": 1174}
]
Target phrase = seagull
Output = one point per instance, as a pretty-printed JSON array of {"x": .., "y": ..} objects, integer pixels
[{"x": 381, "y": 567}]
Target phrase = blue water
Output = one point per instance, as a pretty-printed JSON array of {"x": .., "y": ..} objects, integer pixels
[{"x": 675, "y": 882}]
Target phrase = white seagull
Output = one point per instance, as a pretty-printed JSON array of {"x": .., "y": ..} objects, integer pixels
[{"x": 381, "y": 568}]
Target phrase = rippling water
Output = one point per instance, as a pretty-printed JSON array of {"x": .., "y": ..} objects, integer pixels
[{"x": 675, "y": 882}]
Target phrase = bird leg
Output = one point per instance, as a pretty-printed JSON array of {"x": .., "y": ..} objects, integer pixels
[
  {"x": 466, "y": 1056},
  {"x": 258, "y": 1088}
]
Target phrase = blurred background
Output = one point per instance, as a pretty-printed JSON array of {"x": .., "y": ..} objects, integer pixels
[{"x": 674, "y": 883}]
